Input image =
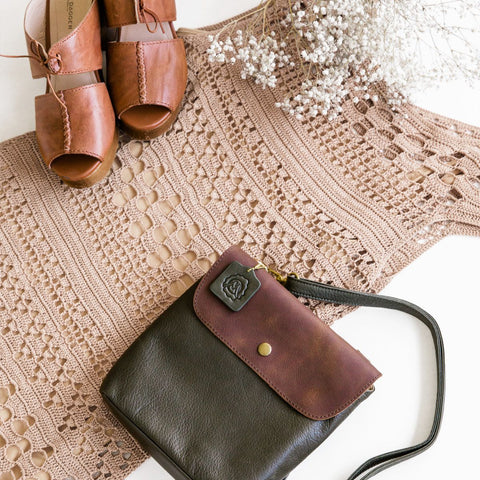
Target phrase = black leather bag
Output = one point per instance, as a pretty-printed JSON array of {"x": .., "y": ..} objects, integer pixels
[{"x": 238, "y": 380}]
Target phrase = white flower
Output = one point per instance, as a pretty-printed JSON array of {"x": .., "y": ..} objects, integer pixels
[{"x": 354, "y": 42}]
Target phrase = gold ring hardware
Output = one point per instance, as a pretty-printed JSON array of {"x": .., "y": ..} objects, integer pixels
[
  {"x": 277, "y": 275},
  {"x": 264, "y": 349}
]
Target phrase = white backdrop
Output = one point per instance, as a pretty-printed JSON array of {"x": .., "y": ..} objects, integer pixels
[{"x": 444, "y": 281}]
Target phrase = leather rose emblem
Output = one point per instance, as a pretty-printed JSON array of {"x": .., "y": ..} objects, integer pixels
[{"x": 235, "y": 287}]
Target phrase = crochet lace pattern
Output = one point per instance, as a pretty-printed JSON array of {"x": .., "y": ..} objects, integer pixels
[{"x": 82, "y": 273}]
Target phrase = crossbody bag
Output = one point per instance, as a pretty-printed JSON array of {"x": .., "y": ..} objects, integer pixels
[{"x": 238, "y": 380}]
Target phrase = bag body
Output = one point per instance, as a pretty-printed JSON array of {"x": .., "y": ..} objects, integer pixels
[{"x": 198, "y": 395}]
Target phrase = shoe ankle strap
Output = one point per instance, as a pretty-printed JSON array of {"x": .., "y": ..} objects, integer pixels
[
  {"x": 128, "y": 12},
  {"x": 78, "y": 52}
]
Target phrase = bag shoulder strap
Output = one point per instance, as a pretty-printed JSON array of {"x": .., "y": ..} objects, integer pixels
[{"x": 329, "y": 294}]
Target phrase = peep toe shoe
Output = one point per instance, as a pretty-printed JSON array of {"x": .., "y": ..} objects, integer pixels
[
  {"x": 146, "y": 65},
  {"x": 75, "y": 120}
]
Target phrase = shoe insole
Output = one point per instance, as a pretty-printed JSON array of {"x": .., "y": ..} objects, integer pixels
[
  {"x": 140, "y": 33},
  {"x": 63, "y": 17}
]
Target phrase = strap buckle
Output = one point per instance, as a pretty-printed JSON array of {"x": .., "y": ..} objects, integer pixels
[{"x": 277, "y": 275}]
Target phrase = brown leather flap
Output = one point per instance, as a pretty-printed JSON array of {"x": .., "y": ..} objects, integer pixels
[
  {"x": 81, "y": 51},
  {"x": 78, "y": 52},
  {"x": 127, "y": 12},
  {"x": 165, "y": 10},
  {"x": 310, "y": 366}
]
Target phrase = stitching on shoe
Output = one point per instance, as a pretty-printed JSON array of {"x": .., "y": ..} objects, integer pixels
[
  {"x": 67, "y": 131},
  {"x": 142, "y": 87}
]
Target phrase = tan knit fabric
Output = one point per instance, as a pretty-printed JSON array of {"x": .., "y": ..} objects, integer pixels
[{"x": 82, "y": 273}]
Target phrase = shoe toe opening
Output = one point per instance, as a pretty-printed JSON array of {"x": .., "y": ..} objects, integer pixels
[
  {"x": 145, "y": 118},
  {"x": 75, "y": 167}
]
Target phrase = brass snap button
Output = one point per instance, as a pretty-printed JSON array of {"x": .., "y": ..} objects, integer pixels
[{"x": 264, "y": 349}]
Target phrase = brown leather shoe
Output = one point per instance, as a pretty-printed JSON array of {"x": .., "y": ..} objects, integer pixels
[
  {"x": 75, "y": 121},
  {"x": 147, "y": 66}
]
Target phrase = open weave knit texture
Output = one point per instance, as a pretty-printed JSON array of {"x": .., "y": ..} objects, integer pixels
[{"x": 82, "y": 273}]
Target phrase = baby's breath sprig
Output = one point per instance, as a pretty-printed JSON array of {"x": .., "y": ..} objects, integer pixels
[
  {"x": 407, "y": 44},
  {"x": 260, "y": 56}
]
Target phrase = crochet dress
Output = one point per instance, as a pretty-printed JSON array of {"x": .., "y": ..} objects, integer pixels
[{"x": 82, "y": 273}]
